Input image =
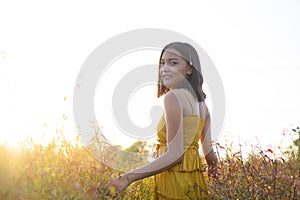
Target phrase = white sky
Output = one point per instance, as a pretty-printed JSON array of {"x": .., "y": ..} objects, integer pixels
[{"x": 255, "y": 46}]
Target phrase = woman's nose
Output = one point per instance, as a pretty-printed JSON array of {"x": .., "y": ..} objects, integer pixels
[{"x": 164, "y": 68}]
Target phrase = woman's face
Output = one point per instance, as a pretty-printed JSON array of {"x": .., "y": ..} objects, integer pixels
[{"x": 173, "y": 68}]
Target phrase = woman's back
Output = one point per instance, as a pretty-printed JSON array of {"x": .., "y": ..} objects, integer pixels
[{"x": 187, "y": 178}]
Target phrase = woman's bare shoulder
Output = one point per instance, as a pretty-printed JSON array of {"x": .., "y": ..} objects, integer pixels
[{"x": 174, "y": 96}]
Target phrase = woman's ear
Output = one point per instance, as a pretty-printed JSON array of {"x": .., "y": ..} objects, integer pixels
[{"x": 190, "y": 69}]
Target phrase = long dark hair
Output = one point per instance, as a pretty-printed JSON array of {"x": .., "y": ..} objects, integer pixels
[{"x": 195, "y": 80}]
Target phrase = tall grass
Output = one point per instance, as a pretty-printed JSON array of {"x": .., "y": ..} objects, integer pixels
[
  {"x": 59, "y": 170},
  {"x": 62, "y": 170},
  {"x": 261, "y": 176}
]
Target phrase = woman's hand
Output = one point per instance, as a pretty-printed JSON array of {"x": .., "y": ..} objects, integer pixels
[
  {"x": 120, "y": 183},
  {"x": 212, "y": 171}
]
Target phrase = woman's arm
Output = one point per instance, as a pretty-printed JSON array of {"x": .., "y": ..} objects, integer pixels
[
  {"x": 174, "y": 154},
  {"x": 210, "y": 155}
]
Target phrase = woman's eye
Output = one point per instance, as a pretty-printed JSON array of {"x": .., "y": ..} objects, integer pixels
[{"x": 170, "y": 63}]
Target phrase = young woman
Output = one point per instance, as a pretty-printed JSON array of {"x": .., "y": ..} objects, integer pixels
[{"x": 178, "y": 170}]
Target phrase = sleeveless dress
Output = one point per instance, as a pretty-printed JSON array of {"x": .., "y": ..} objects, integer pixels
[{"x": 187, "y": 179}]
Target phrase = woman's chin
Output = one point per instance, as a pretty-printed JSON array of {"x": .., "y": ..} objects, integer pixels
[{"x": 167, "y": 84}]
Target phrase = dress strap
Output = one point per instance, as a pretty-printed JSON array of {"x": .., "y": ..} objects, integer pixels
[{"x": 192, "y": 107}]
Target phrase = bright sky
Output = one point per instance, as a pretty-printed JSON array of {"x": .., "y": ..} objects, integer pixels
[{"x": 255, "y": 46}]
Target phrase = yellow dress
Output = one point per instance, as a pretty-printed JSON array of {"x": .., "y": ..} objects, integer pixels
[{"x": 186, "y": 180}]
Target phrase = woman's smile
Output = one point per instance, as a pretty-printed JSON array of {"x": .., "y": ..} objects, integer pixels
[{"x": 166, "y": 76}]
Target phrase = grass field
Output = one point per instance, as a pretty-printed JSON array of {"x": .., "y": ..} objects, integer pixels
[{"x": 61, "y": 170}]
